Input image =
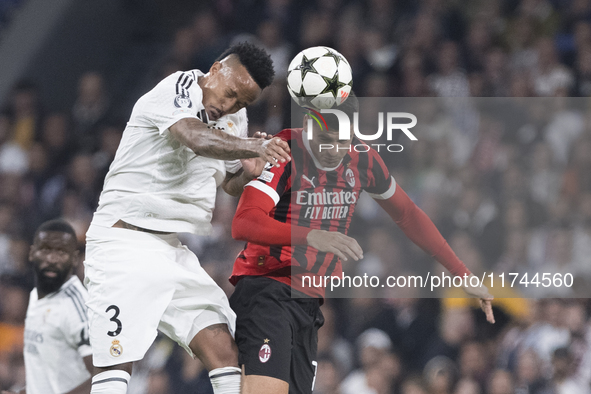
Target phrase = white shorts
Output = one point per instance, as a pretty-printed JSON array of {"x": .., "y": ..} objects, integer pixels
[{"x": 139, "y": 283}]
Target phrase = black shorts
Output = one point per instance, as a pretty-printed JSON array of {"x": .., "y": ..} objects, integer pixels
[{"x": 277, "y": 335}]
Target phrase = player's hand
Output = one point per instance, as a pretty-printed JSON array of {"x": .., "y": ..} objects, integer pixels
[
  {"x": 275, "y": 151},
  {"x": 485, "y": 299},
  {"x": 253, "y": 168},
  {"x": 334, "y": 242},
  {"x": 263, "y": 135}
]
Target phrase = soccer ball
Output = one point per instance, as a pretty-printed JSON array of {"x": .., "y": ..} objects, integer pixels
[{"x": 319, "y": 77}]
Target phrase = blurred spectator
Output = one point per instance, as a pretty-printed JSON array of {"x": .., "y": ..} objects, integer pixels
[
  {"x": 577, "y": 178},
  {"x": 25, "y": 112},
  {"x": 545, "y": 180},
  {"x": 109, "y": 138},
  {"x": 332, "y": 344},
  {"x": 500, "y": 382},
  {"x": 328, "y": 377},
  {"x": 12, "y": 318},
  {"x": 90, "y": 108},
  {"x": 413, "y": 385},
  {"x": 209, "y": 40},
  {"x": 550, "y": 78},
  {"x": 270, "y": 35},
  {"x": 562, "y": 378},
  {"x": 440, "y": 374},
  {"x": 380, "y": 368},
  {"x": 13, "y": 158},
  {"x": 56, "y": 138},
  {"x": 456, "y": 326},
  {"x": 450, "y": 80},
  {"x": 529, "y": 377},
  {"x": 474, "y": 363}
]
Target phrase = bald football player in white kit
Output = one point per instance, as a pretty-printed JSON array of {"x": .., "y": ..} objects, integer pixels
[
  {"x": 185, "y": 138},
  {"x": 57, "y": 351}
]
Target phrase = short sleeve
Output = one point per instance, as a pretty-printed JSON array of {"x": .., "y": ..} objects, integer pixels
[
  {"x": 176, "y": 97},
  {"x": 380, "y": 184},
  {"x": 273, "y": 181},
  {"x": 75, "y": 323}
]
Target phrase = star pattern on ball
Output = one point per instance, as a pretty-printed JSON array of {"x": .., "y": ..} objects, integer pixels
[
  {"x": 306, "y": 66},
  {"x": 336, "y": 57},
  {"x": 333, "y": 85}
]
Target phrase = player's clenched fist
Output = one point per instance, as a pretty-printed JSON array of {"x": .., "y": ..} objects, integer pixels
[
  {"x": 274, "y": 150},
  {"x": 334, "y": 242}
]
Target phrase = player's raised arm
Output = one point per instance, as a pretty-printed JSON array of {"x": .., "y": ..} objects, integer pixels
[
  {"x": 419, "y": 228},
  {"x": 217, "y": 144}
]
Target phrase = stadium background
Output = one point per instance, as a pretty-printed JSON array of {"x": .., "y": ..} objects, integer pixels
[{"x": 67, "y": 89}]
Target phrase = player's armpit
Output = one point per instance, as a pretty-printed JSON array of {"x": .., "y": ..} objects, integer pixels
[
  {"x": 252, "y": 222},
  {"x": 417, "y": 226}
]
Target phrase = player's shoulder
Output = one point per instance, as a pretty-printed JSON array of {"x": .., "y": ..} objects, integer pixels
[
  {"x": 72, "y": 297},
  {"x": 183, "y": 81}
]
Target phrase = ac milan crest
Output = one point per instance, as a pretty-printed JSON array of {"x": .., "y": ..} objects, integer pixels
[{"x": 265, "y": 352}]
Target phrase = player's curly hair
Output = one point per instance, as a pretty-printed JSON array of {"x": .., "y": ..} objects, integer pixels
[{"x": 257, "y": 61}]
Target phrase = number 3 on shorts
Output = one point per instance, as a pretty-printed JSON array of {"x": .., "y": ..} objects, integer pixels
[{"x": 114, "y": 320}]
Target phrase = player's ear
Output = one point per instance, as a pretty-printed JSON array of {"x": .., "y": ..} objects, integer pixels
[
  {"x": 305, "y": 122},
  {"x": 215, "y": 67}
]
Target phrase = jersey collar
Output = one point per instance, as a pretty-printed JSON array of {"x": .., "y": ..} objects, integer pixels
[{"x": 316, "y": 162}]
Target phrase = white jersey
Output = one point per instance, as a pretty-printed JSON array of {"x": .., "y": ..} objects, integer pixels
[
  {"x": 155, "y": 182},
  {"x": 56, "y": 340}
]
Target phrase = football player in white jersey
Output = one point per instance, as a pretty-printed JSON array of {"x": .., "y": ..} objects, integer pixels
[
  {"x": 57, "y": 351},
  {"x": 184, "y": 138}
]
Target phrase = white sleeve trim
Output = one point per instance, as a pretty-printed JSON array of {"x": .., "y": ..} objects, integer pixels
[
  {"x": 268, "y": 190},
  {"x": 387, "y": 194}
]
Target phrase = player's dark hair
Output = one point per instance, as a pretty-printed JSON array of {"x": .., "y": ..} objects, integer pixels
[
  {"x": 349, "y": 107},
  {"x": 256, "y": 60},
  {"x": 58, "y": 225}
]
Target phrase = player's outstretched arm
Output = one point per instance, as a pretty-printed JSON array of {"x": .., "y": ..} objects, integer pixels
[
  {"x": 485, "y": 299},
  {"x": 417, "y": 226},
  {"x": 253, "y": 212},
  {"x": 217, "y": 144}
]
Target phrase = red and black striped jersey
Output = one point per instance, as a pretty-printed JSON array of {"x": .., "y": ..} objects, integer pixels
[{"x": 308, "y": 195}]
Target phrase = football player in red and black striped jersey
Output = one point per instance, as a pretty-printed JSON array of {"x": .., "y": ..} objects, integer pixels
[{"x": 295, "y": 219}]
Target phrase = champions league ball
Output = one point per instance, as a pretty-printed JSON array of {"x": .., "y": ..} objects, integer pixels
[{"x": 319, "y": 77}]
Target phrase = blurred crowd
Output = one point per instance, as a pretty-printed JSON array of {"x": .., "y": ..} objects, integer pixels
[
  {"x": 511, "y": 191},
  {"x": 7, "y": 9}
]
